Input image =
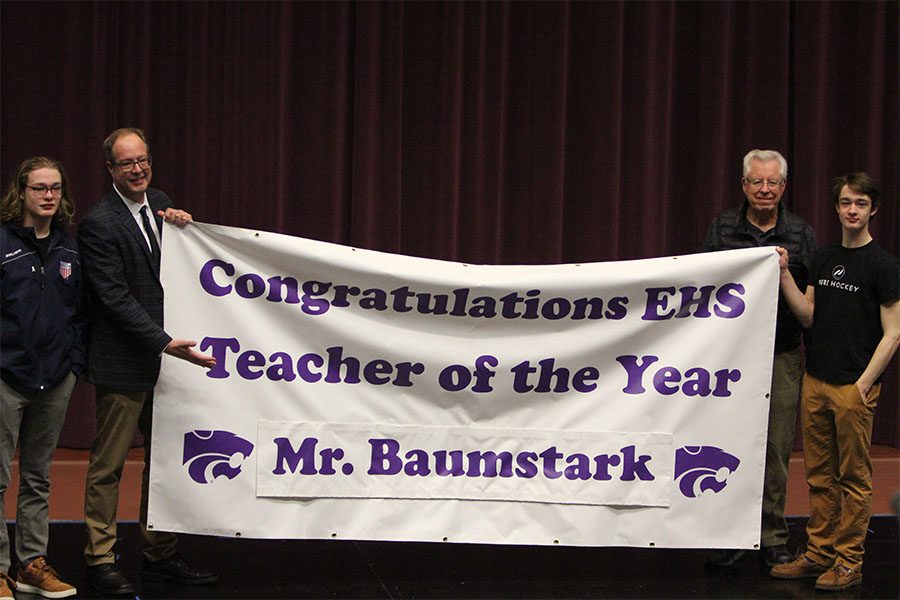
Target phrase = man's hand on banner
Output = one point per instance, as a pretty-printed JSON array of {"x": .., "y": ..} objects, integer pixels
[
  {"x": 183, "y": 349},
  {"x": 175, "y": 216},
  {"x": 782, "y": 258}
]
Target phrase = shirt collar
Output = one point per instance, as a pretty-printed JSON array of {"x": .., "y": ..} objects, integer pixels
[{"x": 134, "y": 207}]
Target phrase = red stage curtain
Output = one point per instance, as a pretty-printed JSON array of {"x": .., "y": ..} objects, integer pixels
[{"x": 521, "y": 132}]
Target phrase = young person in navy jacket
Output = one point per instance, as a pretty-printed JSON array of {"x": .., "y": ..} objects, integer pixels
[{"x": 42, "y": 356}]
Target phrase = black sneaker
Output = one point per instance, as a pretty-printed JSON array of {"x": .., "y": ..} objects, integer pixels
[
  {"x": 723, "y": 558},
  {"x": 776, "y": 555},
  {"x": 176, "y": 570}
]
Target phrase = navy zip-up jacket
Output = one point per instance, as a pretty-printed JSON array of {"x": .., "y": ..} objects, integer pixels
[{"x": 41, "y": 313}]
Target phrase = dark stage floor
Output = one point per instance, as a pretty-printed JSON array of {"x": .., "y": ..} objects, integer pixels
[{"x": 346, "y": 569}]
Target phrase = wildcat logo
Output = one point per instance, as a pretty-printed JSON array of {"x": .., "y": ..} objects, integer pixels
[
  {"x": 210, "y": 454},
  {"x": 838, "y": 272},
  {"x": 702, "y": 468}
]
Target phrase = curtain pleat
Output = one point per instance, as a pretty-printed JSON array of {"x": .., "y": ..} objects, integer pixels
[{"x": 495, "y": 132}]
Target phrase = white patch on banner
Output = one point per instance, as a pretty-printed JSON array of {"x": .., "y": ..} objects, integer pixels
[{"x": 346, "y": 460}]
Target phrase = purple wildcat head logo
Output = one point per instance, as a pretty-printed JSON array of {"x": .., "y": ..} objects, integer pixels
[
  {"x": 702, "y": 468},
  {"x": 211, "y": 454}
]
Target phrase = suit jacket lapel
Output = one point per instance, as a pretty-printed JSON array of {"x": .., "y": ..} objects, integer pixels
[{"x": 127, "y": 219}]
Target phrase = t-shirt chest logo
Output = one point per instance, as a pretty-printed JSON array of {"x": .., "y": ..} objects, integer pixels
[{"x": 838, "y": 272}]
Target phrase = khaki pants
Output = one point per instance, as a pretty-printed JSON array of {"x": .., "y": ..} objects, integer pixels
[
  {"x": 837, "y": 434},
  {"x": 119, "y": 415}
]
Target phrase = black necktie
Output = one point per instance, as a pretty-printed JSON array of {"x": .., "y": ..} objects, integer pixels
[{"x": 148, "y": 229}]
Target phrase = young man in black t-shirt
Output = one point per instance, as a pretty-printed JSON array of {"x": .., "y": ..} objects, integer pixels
[{"x": 852, "y": 310}]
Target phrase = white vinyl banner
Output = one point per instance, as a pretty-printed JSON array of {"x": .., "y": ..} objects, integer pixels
[{"x": 371, "y": 396}]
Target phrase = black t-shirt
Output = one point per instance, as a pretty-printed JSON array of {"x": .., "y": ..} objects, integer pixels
[
  {"x": 850, "y": 284},
  {"x": 43, "y": 245}
]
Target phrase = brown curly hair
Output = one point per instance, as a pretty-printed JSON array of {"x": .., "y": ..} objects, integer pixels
[{"x": 12, "y": 207}]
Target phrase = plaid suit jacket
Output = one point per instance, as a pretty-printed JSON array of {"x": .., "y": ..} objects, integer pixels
[{"x": 126, "y": 298}]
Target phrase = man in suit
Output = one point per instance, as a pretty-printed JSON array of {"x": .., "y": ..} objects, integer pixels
[{"x": 119, "y": 240}]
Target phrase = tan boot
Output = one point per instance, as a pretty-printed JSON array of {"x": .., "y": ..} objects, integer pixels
[
  {"x": 840, "y": 577},
  {"x": 7, "y": 585},
  {"x": 42, "y": 579},
  {"x": 799, "y": 568}
]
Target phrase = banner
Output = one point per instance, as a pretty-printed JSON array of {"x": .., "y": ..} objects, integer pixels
[{"x": 370, "y": 396}]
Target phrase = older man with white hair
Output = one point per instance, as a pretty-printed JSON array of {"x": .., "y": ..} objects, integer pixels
[{"x": 761, "y": 220}]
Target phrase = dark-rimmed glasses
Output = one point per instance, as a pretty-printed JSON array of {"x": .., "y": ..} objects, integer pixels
[
  {"x": 55, "y": 189},
  {"x": 127, "y": 165}
]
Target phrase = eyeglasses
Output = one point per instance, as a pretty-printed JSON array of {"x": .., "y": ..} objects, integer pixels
[
  {"x": 758, "y": 183},
  {"x": 126, "y": 165},
  {"x": 40, "y": 190}
]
